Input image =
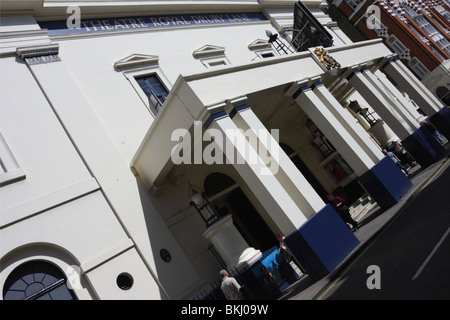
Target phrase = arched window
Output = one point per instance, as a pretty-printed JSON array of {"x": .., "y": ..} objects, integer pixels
[
  {"x": 444, "y": 94},
  {"x": 37, "y": 280}
]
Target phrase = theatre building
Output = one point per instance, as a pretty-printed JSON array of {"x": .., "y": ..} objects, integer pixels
[
  {"x": 417, "y": 30},
  {"x": 147, "y": 145}
]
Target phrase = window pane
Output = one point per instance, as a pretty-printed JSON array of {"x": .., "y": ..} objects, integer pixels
[
  {"x": 154, "y": 90},
  {"x": 36, "y": 280}
]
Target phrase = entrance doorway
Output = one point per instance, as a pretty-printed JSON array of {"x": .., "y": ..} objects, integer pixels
[
  {"x": 301, "y": 166},
  {"x": 228, "y": 198}
]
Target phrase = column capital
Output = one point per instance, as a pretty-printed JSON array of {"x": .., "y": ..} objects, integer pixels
[
  {"x": 213, "y": 113},
  {"x": 387, "y": 59},
  {"x": 235, "y": 105},
  {"x": 316, "y": 84},
  {"x": 302, "y": 85},
  {"x": 234, "y": 102},
  {"x": 352, "y": 73},
  {"x": 235, "y": 110},
  {"x": 300, "y": 91},
  {"x": 223, "y": 109}
]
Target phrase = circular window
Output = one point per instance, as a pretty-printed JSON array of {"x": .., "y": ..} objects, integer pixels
[{"x": 124, "y": 281}]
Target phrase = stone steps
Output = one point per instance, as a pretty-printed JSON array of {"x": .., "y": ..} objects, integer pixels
[{"x": 360, "y": 207}]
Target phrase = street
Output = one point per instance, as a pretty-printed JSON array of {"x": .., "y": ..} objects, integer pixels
[{"x": 410, "y": 258}]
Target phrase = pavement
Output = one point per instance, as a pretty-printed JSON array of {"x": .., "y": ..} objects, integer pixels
[{"x": 370, "y": 225}]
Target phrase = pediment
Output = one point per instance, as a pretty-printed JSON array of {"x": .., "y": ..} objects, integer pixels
[
  {"x": 208, "y": 50},
  {"x": 136, "y": 60},
  {"x": 259, "y": 44}
]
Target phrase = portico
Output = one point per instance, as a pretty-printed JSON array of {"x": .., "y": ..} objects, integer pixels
[{"x": 283, "y": 94}]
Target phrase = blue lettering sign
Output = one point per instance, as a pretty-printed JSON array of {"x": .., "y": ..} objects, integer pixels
[{"x": 143, "y": 22}]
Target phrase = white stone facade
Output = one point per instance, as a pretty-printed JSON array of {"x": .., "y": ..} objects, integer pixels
[{"x": 90, "y": 181}]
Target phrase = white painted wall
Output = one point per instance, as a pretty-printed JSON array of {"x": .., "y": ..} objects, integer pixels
[{"x": 74, "y": 131}]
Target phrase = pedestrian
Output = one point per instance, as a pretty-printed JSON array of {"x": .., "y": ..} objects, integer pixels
[
  {"x": 286, "y": 260},
  {"x": 396, "y": 161},
  {"x": 283, "y": 250},
  {"x": 230, "y": 287},
  {"x": 432, "y": 130},
  {"x": 343, "y": 210},
  {"x": 403, "y": 154}
]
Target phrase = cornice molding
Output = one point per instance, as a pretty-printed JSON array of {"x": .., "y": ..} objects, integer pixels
[
  {"x": 135, "y": 60},
  {"x": 259, "y": 44},
  {"x": 37, "y": 51},
  {"x": 208, "y": 50}
]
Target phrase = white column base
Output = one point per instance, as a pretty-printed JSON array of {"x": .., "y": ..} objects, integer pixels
[
  {"x": 230, "y": 244},
  {"x": 248, "y": 257},
  {"x": 382, "y": 133}
]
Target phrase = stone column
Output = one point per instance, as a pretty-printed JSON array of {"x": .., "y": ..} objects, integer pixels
[
  {"x": 406, "y": 102},
  {"x": 389, "y": 95},
  {"x": 365, "y": 84},
  {"x": 384, "y": 181},
  {"x": 357, "y": 132},
  {"x": 288, "y": 175},
  {"x": 231, "y": 142},
  {"x": 438, "y": 113},
  {"x": 408, "y": 82},
  {"x": 417, "y": 140},
  {"x": 331, "y": 126},
  {"x": 325, "y": 240}
]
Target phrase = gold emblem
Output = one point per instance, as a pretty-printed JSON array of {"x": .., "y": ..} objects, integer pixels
[{"x": 326, "y": 59}]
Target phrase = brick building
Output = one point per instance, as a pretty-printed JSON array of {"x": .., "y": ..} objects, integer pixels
[{"x": 417, "y": 30}]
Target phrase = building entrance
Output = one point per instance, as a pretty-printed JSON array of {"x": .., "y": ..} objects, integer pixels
[
  {"x": 228, "y": 198},
  {"x": 301, "y": 166}
]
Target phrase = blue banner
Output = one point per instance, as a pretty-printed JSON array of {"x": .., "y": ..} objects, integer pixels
[{"x": 60, "y": 27}]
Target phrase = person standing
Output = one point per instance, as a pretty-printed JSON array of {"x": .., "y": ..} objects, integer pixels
[
  {"x": 285, "y": 260},
  {"x": 432, "y": 130},
  {"x": 230, "y": 287},
  {"x": 403, "y": 155},
  {"x": 396, "y": 161},
  {"x": 343, "y": 211}
]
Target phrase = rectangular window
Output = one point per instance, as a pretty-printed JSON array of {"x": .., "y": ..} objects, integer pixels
[
  {"x": 418, "y": 67},
  {"x": 425, "y": 25},
  {"x": 396, "y": 44},
  {"x": 155, "y": 91},
  {"x": 409, "y": 11},
  {"x": 267, "y": 55},
  {"x": 353, "y": 3},
  {"x": 437, "y": 53},
  {"x": 215, "y": 63}
]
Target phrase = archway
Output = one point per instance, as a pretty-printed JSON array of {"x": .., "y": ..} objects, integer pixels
[
  {"x": 37, "y": 280},
  {"x": 228, "y": 198}
]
